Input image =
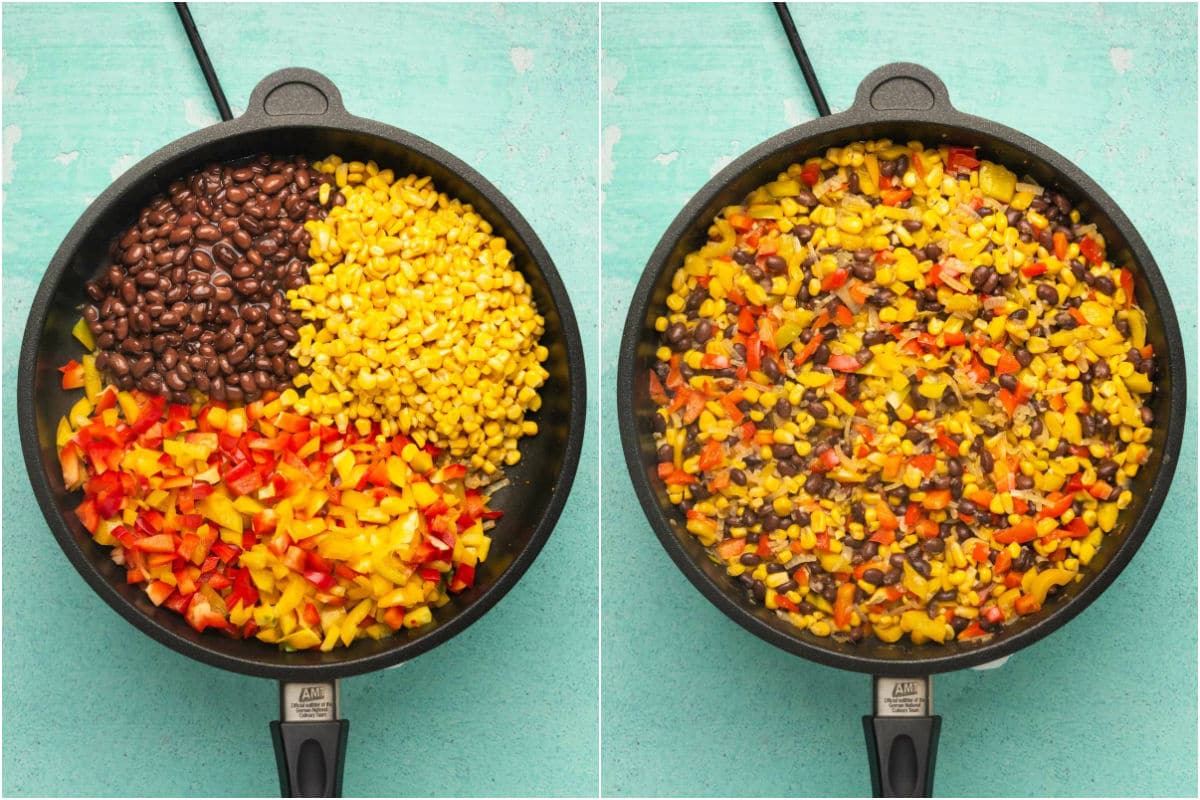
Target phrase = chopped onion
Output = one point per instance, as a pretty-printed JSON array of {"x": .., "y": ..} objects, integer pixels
[
  {"x": 967, "y": 211},
  {"x": 953, "y": 264},
  {"x": 955, "y": 284},
  {"x": 830, "y": 184},
  {"x": 843, "y": 294},
  {"x": 1032, "y": 188},
  {"x": 1036, "y": 498}
]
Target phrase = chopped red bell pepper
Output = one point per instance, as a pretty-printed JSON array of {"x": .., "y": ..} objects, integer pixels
[
  {"x": 972, "y": 631},
  {"x": 712, "y": 456},
  {"x": 1025, "y": 531},
  {"x": 836, "y": 279},
  {"x": 809, "y": 349},
  {"x": 72, "y": 375},
  {"x": 1008, "y": 364},
  {"x": 1056, "y": 506},
  {"x": 1091, "y": 250},
  {"x": 696, "y": 402},
  {"x": 753, "y": 353},
  {"x": 936, "y": 499},
  {"x": 811, "y": 173},
  {"x": 844, "y": 363},
  {"x": 244, "y": 479},
  {"x": 961, "y": 160},
  {"x": 1127, "y": 287},
  {"x": 1060, "y": 245},
  {"x": 740, "y": 222}
]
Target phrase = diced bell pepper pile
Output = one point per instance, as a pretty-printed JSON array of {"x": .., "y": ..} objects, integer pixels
[{"x": 259, "y": 522}]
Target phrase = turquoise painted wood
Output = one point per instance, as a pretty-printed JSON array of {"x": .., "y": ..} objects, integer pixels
[
  {"x": 92, "y": 706},
  {"x": 694, "y": 705}
]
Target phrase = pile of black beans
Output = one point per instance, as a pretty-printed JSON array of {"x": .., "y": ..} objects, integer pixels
[{"x": 194, "y": 296}]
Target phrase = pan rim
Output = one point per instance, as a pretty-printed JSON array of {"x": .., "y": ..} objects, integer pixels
[
  {"x": 335, "y": 120},
  {"x": 950, "y": 121}
]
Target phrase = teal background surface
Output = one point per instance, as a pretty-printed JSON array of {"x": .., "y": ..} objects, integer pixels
[
  {"x": 693, "y": 704},
  {"x": 94, "y": 707}
]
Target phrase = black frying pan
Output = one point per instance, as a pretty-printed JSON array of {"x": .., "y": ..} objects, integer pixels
[
  {"x": 298, "y": 111},
  {"x": 903, "y": 102}
]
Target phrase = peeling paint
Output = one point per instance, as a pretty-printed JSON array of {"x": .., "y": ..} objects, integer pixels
[
  {"x": 999, "y": 662},
  {"x": 608, "y": 140},
  {"x": 121, "y": 164},
  {"x": 197, "y": 113},
  {"x": 613, "y": 73},
  {"x": 67, "y": 158},
  {"x": 14, "y": 73},
  {"x": 723, "y": 161},
  {"x": 12, "y": 135},
  {"x": 1122, "y": 59},
  {"x": 793, "y": 111},
  {"x": 521, "y": 58},
  {"x": 666, "y": 158}
]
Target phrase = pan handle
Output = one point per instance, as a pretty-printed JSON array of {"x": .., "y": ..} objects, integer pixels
[
  {"x": 902, "y": 738},
  {"x": 291, "y": 92},
  {"x": 902, "y": 87},
  {"x": 310, "y": 741}
]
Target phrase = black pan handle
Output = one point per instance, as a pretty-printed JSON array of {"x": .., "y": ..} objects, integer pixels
[
  {"x": 902, "y": 87},
  {"x": 902, "y": 738},
  {"x": 310, "y": 741},
  {"x": 293, "y": 92}
]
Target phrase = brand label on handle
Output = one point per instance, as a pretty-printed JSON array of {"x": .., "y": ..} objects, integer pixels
[
  {"x": 309, "y": 702},
  {"x": 901, "y": 697}
]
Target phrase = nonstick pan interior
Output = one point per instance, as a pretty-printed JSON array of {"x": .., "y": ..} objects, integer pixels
[
  {"x": 538, "y": 484},
  {"x": 903, "y": 103}
]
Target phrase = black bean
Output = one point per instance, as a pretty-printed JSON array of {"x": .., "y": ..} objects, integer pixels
[
  {"x": 873, "y": 576},
  {"x": 1024, "y": 560},
  {"x": 771, "y": 369},
  {"x": 864, "y": 271}
]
